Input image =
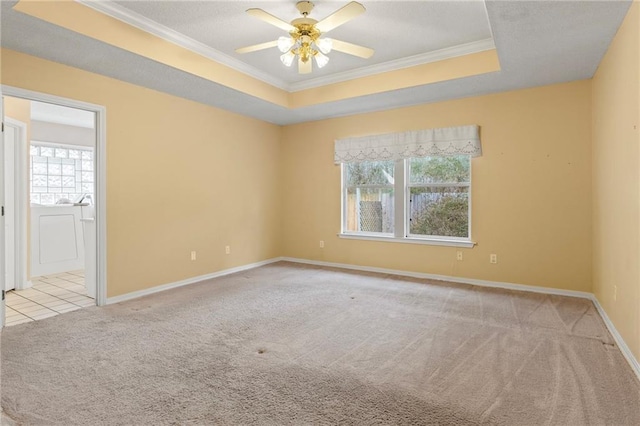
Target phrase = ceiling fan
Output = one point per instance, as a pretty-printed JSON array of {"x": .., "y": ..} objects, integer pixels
[{"x": 304, "y": 41}]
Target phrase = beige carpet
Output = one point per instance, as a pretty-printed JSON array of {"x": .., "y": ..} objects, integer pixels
[{"x": 289, "y": 344}]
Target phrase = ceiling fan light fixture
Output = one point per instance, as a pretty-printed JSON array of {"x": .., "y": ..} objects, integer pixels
[
  {"x": 321, "y": 59},
  {"x": 285, "y": 44},
  {"x": 306, "y": 40},
  {"x": 325, "y": 45},
  {"x": 287, "y": 58}
]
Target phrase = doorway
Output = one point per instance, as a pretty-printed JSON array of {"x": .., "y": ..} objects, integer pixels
[
  {"x": 15, "y": 209},
  {"x": 59, "y": 257}
]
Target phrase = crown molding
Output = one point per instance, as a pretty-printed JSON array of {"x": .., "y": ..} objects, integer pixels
[
  {"x": 409, "y": 61},
  {"x": 145, "y": 24},
  {"x": 132, "y": 18}
]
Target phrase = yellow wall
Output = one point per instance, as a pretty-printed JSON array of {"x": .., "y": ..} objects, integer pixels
[
  {"x": 181, "y": 176},
  {"x": 175, "y": 166},
  {"x": 20, "y": 109},
  {"x": 559, "y": 178},
  {"x": 616, "y": 180},
  {"x": 531, "y": 188}
]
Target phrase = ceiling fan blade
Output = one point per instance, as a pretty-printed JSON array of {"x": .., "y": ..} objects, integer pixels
[
  {"x": 256, "y": 47},
  {"x": 270, "y": 19},
  {"x": 304, "y": 67},
  {"x": 340, "y": 16},
  {"x": 351, "y": 49}
]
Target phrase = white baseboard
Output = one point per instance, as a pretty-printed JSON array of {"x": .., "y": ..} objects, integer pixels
[
  {"x": 193, "y": 280},
  {"x": 626, "y": 351},
  {"x": 462, "y": 280}
]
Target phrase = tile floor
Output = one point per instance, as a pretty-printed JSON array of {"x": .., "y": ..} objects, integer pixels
[{"x": 50, "y": 295}]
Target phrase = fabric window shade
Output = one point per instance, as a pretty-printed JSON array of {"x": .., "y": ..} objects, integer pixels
[{"x": 462, "y": 140}]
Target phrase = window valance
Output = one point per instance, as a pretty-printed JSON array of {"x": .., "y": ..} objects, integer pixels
[{"x": 462, "y": 140}]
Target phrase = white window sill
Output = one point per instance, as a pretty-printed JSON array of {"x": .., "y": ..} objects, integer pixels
[{"x": 411, "y": 240}]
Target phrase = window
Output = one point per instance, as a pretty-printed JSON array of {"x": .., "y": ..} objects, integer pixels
[
  {"x": 369, "y": 197},
  {"x": 438, "y": 189},
  {"x": 60, "y": 171},
  {"x": 423, "y": 198},
  {"x": 412, "y": 186}
]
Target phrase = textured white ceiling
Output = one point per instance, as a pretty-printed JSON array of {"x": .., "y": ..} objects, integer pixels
[
  {"x": 395, "y": 29},
  {"x": 538, "y": 42}
]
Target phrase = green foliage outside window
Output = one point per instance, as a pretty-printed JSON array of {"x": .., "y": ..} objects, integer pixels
[
  {"x": 439, "y": 211},
  {"x": 438, "y": 191}
]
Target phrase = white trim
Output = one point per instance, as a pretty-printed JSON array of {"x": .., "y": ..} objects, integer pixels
[
  {"x": 100, "y": 164},
  {"x": 100, "y": 174},
  {"x": 2, "y": 237},
  {"x": 411, "y": 61},
  {"x": 401, "y": 234},
  {"x": 20, "y": 200},
  {"x": 188, "y": 281},
  {"x": 622, "y": 345},
  {"x": 143, "y": 23},
  {"x": 409, "y": 240},
  {"x": 626, "y": 352},
  {"x": 462, "y": 280}
]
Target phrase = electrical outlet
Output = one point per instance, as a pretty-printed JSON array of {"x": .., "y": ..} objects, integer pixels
[
  {"x": 459, "y": 255},
  {"x": 321, "y": 244},
  {"x": 227, "y": 249},
  {"x": 493, "y": 258},
  {"x": 615, "y": 293},
  {"x": 193, "y": 255}
]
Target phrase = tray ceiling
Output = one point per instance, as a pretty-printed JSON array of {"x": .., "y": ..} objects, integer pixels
[
  {"x": 394, "y": 29},
  {"x": 537, "y": 42}
]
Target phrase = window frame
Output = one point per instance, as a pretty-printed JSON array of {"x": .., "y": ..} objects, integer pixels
[{"x": 401, "y": 190}]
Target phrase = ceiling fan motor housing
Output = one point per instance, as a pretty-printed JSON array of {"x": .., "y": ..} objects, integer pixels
[{"x": 305, "y": 7}]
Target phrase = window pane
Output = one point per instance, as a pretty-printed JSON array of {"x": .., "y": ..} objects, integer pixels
[
  {"x": 369, "y": 173},
  {"x": 439, "y": 169},
  {"x": 54, "y": 181},
  {"x": 68, "y": 170},
  {"x": 369, "y": 210},
  {"x": 46, "y": 198},
  {"x": 46, "y": 151},
  {"x": 442, "y": 211},
  {"x": 55, "y": 169},
  {"x": 39, "y": 180},
  {"x": 39, "y": 168}
]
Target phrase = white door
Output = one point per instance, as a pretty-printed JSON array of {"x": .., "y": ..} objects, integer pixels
[
  {"x": 2, "y": 301},
  {"x": 10, "y": 135}
]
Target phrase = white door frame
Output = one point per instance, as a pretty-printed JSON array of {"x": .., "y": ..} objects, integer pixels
[
  {"x": 20, "y": 200},
  {"x": 100, "y": 164},
  {"x": 2, "y": 258}
]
